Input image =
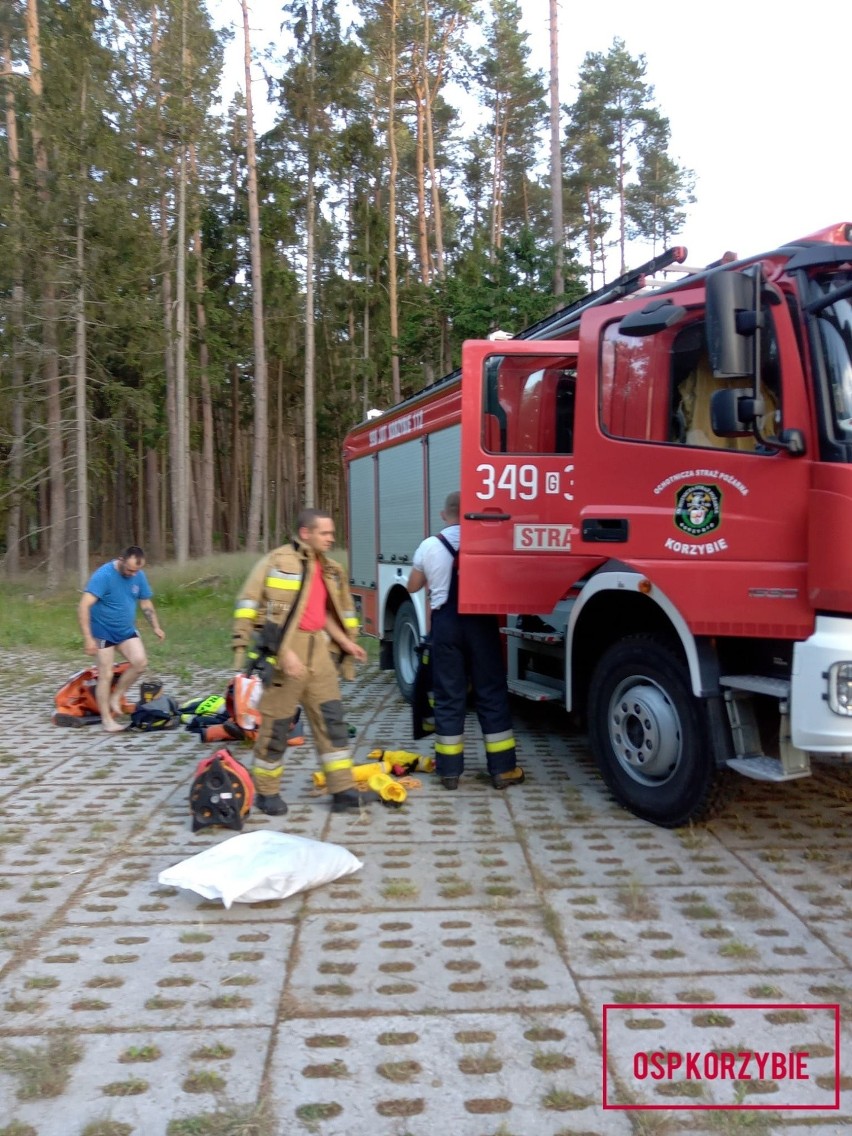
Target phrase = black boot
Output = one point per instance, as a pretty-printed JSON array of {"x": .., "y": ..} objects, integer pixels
[
  {"x": 273, "y": 805},
  {"x": 352, "y": 800},
  {"x": 510, "y": 777}
]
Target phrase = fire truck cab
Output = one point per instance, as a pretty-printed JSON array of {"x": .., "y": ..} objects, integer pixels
[{"x": 656, "y": 489}]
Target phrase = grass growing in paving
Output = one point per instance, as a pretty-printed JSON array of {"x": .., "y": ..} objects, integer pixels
[
  {"x": 228, "y": 1120},
  {"x": 43, "y": 1071}
]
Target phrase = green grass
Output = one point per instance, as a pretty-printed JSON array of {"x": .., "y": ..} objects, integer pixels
[
  {"x": 195, "y": 603},
  {"x": 43, "y": 1071}
]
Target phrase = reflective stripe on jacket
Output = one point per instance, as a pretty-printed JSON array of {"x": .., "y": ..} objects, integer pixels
[{"x": 277, "y": 590}]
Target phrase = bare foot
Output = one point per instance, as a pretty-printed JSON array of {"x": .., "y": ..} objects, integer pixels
[
  {"x": 113, "y": 728},
  {"x": 115, "y": 706}
]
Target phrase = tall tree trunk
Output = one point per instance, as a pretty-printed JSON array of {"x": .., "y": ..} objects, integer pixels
[
  {"x": 180, "y": 424},
  {"x": 166, "y": 288},
  {"x": 393, "y": 298},
  {"x": 261, "y": 436},
  {"x": 279, "y": 454},
  {"x": 155, "y": 544},
  {"x": 622, "y": 201},
  {"x": 557, "y": 227},
  {"x": 14, "y": 522},
  {"x": 50, "y": 334},
  {"x": 310, "y": 332},
  {"x": 139, "y": 474},
  {"x": 365, "y": 323},
  {"x": 420, "y": 179},
  {"x": 430, "y": 89},
  {"x": 235, "y": 528},
  {"x": 207, "y": 487},
  {"x": 497, "y": 185},
  {"x": 80, "y": 383}
]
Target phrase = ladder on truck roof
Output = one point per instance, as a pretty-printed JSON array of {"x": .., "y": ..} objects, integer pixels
[{"x": 567, "y": 318}]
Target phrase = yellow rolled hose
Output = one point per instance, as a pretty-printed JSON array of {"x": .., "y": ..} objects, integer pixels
[
  {"x": 360, "y": 772},
  {"x": 387, "y": 788}
]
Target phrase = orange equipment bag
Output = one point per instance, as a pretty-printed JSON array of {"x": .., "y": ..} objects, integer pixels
[
  {"x": 242, "y": 699},
  {"x": 76, "y": 704},
  {"x": 221, "y": 793},
  {"x": 241, "y": 702}
]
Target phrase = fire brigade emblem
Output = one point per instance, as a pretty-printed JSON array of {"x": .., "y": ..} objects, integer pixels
[{"x": 698, "y": 509}]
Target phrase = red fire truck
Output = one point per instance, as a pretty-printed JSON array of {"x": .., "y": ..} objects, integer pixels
[{"x": 656, "y": 488}]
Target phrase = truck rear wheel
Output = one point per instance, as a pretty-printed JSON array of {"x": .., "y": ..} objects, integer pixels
[
  {"x": 406, "y": 639},
  {"x": 649, "y": 733}
]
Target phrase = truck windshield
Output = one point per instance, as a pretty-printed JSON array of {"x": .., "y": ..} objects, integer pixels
[{"x": 832, "y": 306}]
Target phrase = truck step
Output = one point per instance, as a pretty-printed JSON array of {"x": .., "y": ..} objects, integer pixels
[
  {"x": 762, "y": 768},
  {"x": 533, "y": 636},
  {"x": 534, "y": 691},
  {"x": 757, "y": 684}
]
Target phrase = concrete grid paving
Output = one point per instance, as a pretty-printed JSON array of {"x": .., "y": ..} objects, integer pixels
[{"x": 457, "y": 980}]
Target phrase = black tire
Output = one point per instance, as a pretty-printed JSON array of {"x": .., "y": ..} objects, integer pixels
[
  {"x": 650, "y": 735},
  {"x": 406, "y": 639}
]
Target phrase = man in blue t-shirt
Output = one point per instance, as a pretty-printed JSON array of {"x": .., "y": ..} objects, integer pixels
[{"x": 107, "y": 614}]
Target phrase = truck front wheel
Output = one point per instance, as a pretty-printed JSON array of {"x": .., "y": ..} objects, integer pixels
[
  {"x": 650, "y": 735},
  {"x": 406, "y": 639}
]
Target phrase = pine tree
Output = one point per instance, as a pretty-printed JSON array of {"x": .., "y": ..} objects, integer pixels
[
  {"x": 514, "y": 97},
  {"x": 656, "y": 202},
  {"x": 616, "y": 135}
]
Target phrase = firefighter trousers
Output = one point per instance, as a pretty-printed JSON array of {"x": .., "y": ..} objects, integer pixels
[
  {"x": 469, "y": 647},
  {"x": 318, "y": 692}
]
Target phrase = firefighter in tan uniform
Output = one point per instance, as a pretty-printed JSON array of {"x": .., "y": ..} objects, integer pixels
[{"x": 294, "y": 611}]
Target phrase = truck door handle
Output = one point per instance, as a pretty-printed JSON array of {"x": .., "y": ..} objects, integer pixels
[
  {"x": 612, "y": 530},
  {"x": 488, "y": 516}
]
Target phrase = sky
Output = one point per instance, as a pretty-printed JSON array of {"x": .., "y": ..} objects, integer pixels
[{"x": 756, "y": 94}]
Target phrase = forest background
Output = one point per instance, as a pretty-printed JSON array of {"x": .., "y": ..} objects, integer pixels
[{"x": 193, "y": 316}]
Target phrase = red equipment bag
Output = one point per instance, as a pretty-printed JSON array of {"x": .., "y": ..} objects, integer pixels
[
  {"x": 76, "y": 704},
  {"x": 221, "y": 793}
]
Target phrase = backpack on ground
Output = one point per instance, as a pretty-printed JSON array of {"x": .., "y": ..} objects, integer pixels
[
  {"x": 221, "y": 793},
  {"x": 160, "y": 713},
  {"x": 76, "y": 704},
  {"x": 199, "y": 714}
]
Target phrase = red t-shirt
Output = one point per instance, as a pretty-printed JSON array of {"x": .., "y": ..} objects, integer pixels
[{"x": 314, "y": 615}]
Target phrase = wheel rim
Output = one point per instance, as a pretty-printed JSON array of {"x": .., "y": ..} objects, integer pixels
[
  {"x": 644, "y": 731},
  {"x": 407, "y": 653}
]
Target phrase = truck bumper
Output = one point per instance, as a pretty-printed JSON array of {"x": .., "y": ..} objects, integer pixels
[{"x": 814, "y": 726}]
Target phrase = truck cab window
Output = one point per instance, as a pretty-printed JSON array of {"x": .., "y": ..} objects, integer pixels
[
  {"x": 634, "y": 387},
  {"x": 657, "y": 388},
  {"x": 834, "y": 327},
  {"x": 693, "y": 384},
  {"x": 529, "y": 405}
]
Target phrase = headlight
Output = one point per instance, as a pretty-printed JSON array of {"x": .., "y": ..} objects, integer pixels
[{"x": 840, "y": 688}]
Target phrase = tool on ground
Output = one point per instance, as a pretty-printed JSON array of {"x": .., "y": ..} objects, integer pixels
[{"x": 221, "y": 793}]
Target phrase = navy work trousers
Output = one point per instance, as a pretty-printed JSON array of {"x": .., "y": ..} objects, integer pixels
[{"x": 469, "y": 647}]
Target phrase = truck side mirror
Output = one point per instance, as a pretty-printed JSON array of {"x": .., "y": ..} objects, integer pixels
[
  {"x": 733, "y": 412},
  {"x": 731, "y": 321},
  {"x": 736, "y": 413}
]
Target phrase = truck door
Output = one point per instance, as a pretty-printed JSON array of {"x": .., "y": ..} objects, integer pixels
[
  {"x": 517, "y": 482},
  {"x": 716, "y": 522}
]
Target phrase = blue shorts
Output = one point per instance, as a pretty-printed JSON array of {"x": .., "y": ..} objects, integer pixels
[{"x": 102, "y": 643}]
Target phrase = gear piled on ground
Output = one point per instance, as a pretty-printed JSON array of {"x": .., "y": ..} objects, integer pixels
[{"x": 222, "y": 792}]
